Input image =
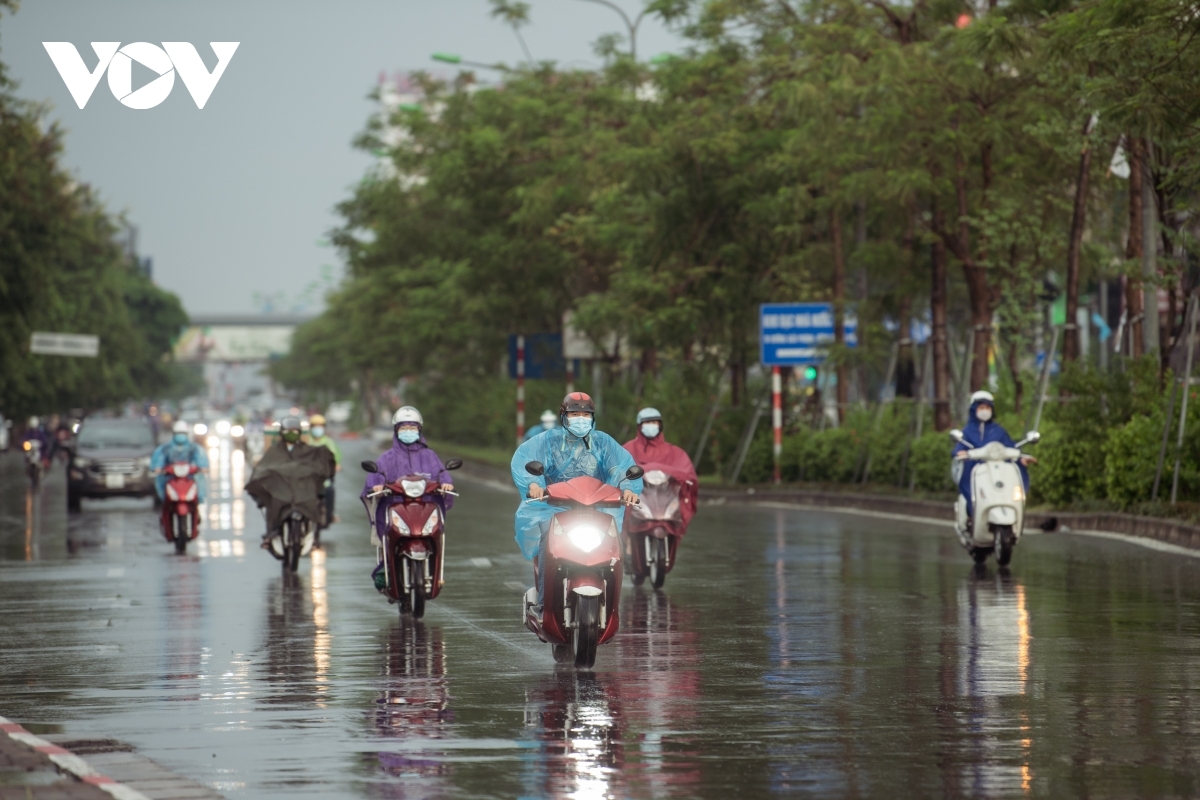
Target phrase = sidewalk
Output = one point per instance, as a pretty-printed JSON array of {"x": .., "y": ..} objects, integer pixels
[{"x": 54, "y": 768}]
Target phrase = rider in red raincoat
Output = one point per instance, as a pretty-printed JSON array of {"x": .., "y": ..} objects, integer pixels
[{"x": 651, "y": 451}]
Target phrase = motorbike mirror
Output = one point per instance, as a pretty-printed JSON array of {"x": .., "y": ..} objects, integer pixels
[
  {"x": 956, "y": 435},
  {"x": 535, "y": 468},
  {"x": 454, "y": 463},
  {"x": 1032, "y": 437},
  {"x": 369, "y": 466},
  {"x": 634, "y": 472}
]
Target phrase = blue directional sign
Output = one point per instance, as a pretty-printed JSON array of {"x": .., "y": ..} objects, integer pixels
[
  {"x": 543, "y": 356},
  {"x": 799, "y": 333}
]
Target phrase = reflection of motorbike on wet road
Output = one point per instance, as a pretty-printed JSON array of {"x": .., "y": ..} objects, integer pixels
[
  {"x": 582, "y": 568},
  {"x": 654, "y": 527},
  {"x": 408, "y": 526}
]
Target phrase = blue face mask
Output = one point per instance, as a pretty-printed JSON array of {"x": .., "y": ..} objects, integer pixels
[
  {"x": 318, "y": 431},
  {"x": 180, "y": 438},
  {"x": 408, "y": 436},
  {"x": 580, "y": 426}
]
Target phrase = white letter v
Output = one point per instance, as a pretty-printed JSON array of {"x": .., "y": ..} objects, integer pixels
[
  {"x": 80, "y": 83},
  {"x": 196, "y": 76}
]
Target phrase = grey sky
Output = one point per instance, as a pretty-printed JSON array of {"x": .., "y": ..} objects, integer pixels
[{"x": 233, "y": 199}]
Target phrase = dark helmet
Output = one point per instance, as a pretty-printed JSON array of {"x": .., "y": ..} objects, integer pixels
[
  {"x": 290, "y": 429},
  {"x": 576, "y": 401}
]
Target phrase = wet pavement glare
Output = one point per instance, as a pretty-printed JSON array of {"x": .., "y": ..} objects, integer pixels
[{"x": 791, "y": 653}]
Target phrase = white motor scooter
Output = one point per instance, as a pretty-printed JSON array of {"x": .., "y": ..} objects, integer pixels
[{"x": 999, "y": 495}]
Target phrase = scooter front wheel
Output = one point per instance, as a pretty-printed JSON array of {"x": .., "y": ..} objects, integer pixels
[
  {"x": 658, "y": 567},
  {"x": 182, "y": 532},
  {"x": 416, "y": 589},
  {"x": 1005, "y": 542},
  {"x": 587, "y": 633},
  {"x": 980, "y": 554}
]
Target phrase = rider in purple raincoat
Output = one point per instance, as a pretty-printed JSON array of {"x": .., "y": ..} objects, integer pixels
[{"x": 409, "y": 455}]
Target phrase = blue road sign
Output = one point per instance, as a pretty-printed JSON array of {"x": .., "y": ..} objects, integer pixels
[
  {"x": 799, "y": 333},
  {"x": 543, "y": 356}
]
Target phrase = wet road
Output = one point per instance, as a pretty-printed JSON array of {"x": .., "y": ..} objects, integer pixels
[{"x": 792, "y": 653}]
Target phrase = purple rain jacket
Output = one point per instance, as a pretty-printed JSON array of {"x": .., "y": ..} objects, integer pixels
[{"x": 410, "y": 459}]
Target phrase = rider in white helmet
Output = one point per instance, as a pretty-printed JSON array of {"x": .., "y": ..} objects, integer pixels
[
  {"x": 179, "y": 449},
  {"x": 981, "y": 429},
  {"x": 409, "y": 455},
  {"x": 549, "y": 421}
]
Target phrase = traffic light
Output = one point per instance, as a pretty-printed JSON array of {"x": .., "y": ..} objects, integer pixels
[{"x": 810, "y": 373}]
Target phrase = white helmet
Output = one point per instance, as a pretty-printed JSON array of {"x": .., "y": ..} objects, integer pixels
[
  {"x": 179, "y": 427},
  {"x": 647, "y": 414},
  {"x": 549, "y": 418},
  {"x": 984, "y": 397},
  {"x": 34, "y": 422},
  {"x": 407, "y": 414}
]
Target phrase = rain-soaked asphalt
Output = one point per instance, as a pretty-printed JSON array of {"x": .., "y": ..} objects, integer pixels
[{"x": 792, "y": 653}]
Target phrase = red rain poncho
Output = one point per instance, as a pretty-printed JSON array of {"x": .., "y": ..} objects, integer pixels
[{"x": 658, "y": 453}]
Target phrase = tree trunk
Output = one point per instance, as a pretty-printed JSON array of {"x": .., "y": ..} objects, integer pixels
[
  {"x": 905, "y": 368},
  {"x": 737, "y": 380},
  {"x": 839, "y": 303},
  {"x": 937, "y": 306},
  {"x": 1071, "y": 332},
  {"x": 1133, "y": 247}
]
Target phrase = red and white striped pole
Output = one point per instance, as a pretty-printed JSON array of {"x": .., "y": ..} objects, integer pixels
[
  {"x": 520, "y": 389},
  {"x": 777, "y": 416}
]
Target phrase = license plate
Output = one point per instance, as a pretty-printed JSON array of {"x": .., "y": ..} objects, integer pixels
[{"x": 114, "y": 481}]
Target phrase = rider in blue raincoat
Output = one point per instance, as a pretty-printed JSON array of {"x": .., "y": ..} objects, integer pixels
[
  {"x": 981, "y": 429},
  {"x": 180, "y": 448},
  {"x": 572, "y": 449}
]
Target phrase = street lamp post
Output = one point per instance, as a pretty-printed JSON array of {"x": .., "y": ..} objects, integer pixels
[
  {"x": 451, "y": 58},
  {"x": 631, "y": 25}
]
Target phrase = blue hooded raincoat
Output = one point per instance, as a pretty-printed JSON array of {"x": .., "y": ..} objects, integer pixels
[
  {"x": 566, "y": 456},
  {"x": 978, "y": 433},
  {"x": 169, "y": 453}
]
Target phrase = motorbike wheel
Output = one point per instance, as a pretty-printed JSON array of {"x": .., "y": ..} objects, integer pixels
[
  {"x": 587, "y": 633},
  {"x": 658, "y": 568},
  {"x": 980, "y": 554},
  {"x": 291, "y": 547},
  {"x": 74, "y": 501},
  {"x": 182, "y": 532},
  {"x": 416, "y": 590},
  {"x": 563, "y": 653},
  {"x": 1007, "y": 540}
]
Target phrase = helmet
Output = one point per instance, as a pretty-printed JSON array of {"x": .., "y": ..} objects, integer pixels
[
  {"x": 407, "y": 414},
  {"x": 180, "y": 427},
  {"x": 316, "y": 419},
  {"x": 34, "y": 422},
  {"x": 983, "y": 397},
  {"x": 576, "y": 401},
  {"x": 648, "y": 415},
  {"x": 548, "y": 417}
]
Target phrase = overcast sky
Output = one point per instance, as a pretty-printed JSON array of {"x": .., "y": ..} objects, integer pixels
[{"x": 234, "y": 199}]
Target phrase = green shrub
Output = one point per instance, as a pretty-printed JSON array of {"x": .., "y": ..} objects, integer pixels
[{"x": 1130, "y": 459}]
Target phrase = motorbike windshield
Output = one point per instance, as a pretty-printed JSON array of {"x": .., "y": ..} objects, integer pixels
[{"x": 660, "y": 500}]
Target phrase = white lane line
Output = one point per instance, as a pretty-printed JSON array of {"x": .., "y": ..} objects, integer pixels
[{"x": 530, "y": 653}]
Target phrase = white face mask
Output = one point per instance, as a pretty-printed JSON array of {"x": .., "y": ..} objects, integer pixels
[
  {"x": 650, "y": 430},
  {"x": 983, "y": 413}
]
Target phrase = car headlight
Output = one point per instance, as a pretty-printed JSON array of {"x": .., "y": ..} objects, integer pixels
[
  {"x": 200, "y": 429},
  {"x": 398, "y": 522},
  {"x": 222, "y": 427},
  {"x": 586, "y": 537},
  {"x": 413, "y": 488},
  {"x": 144, "y": 461},
  {"x": 237, "y": 431},
  {"x": 213, "y": 441},
  {"x": 431, "y": 523},
  {"x": 84, "y": 463}
]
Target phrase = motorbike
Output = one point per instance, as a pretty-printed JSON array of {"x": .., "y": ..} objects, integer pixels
[
  {"x": 654, "y": 526},
  {"x": 582, "y": 569},
  {"x": 292, "y": 539},
  {"x": 998, "y": 492},
  {"x": 181, "y": 512},
  {"x": 35, "y": 467},
  {"x": 410, "y": 542}
]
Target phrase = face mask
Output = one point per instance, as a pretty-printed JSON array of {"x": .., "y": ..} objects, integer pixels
[
  {"x": 408, "y": 436},
  {"x": 548, "y": 425},
  {"x": 291, "y": 437},
  {"x": 650, "y": 430},
  {"x": 983, "y": 413},
  {"x": 180, "y": 438},
  {"x": 580, "y": 426},
  {"x": 318, "y": 432}
]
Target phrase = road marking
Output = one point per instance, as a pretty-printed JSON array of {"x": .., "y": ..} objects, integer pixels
[
  {"x": 482, "y": 563},
  {"x": 116, "y": 572}
]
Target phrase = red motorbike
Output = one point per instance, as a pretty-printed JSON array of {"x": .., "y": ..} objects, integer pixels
[
  {"x": 654, "y": 527},
  {"x": 409, "y": 538},
  {"x": 181, "y": 511},
  {"x": 582, "y": 569}
]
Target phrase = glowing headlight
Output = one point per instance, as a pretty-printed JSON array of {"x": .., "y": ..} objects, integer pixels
[
  {"x": 213, "y": 441},
  {"x": 413, "y": 488},
  {"x": 199, "y": 429},
  {"x": 1018, "y": 493},
  {"x": 398, "y": 523},
  {"x": 222, "y": 427},
  {"x": 431, "y": 523},
  {"x": 28, "y": 446},
  {"x": 237, "y": 431},
  {"x": 586, "y": 537}
]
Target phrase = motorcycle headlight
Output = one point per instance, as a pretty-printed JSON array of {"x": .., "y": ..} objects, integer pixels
[
  {"x": 1018, "y": 494},
  {"x": 181, "y": 470},
  {"x": 431, "y": 523},
  {"x": 413, "y": 488},
  {"x": 656, "y": 477},
  {"x": 398, "y": 522},
  {"x": 586, "y": 537}
]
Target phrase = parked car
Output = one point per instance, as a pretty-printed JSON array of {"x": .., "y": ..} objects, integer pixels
[{"x": 111, "y": 459}]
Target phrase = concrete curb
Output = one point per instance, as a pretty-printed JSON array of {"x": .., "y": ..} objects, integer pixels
[{"x": 70, "y": 763}]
